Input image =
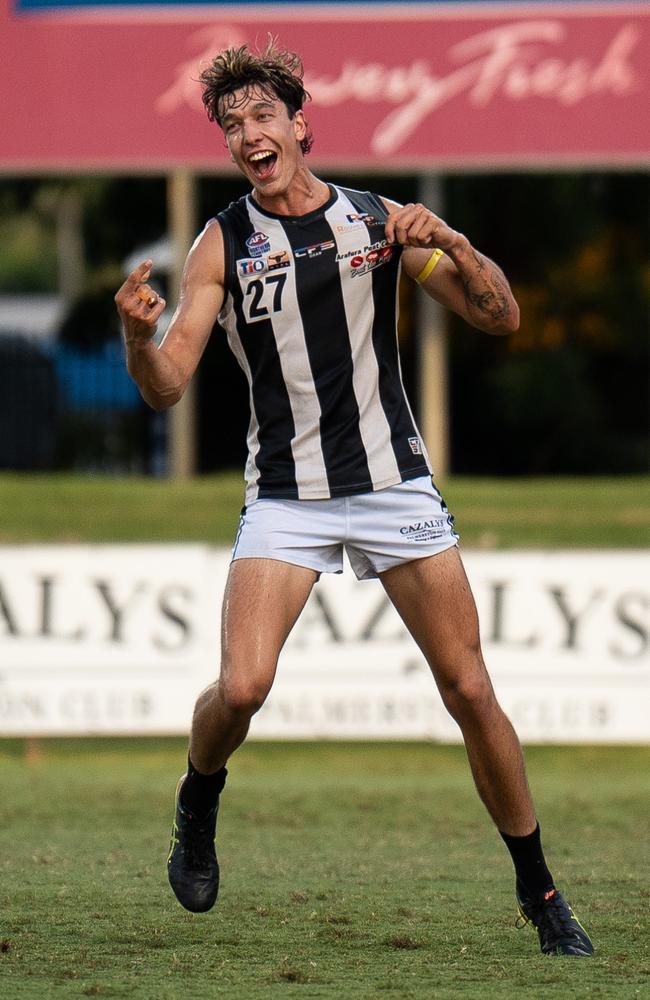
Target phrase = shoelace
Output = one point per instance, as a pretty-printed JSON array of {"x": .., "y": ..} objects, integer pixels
[
  {"x": 556, "y": 920},
  {"x": 553, "y": 922},
  {"x": 198, "y": 845}
]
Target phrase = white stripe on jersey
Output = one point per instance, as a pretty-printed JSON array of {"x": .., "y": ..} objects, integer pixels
[
  {"x": 359, "y": 313},
  {"x": 311, "y": 475}
]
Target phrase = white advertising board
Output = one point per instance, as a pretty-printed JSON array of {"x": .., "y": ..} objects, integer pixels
[
  {"x": 120, "y": 639},
  {"x": 106, "y": 638}
]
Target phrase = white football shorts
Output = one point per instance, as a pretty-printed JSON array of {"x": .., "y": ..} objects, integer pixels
[{"x": 377, "y": 530}]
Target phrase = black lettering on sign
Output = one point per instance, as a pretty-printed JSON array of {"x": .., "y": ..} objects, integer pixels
[
  {"x": 174, "y": 614},
  {"x": 624, "y": 610}
]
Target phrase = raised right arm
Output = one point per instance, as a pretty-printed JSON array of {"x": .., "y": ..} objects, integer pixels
[{"x": 162, "y": 373}]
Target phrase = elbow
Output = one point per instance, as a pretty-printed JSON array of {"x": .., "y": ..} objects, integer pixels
[
  {"x": 158, "y": 394},
  {"x": 158, "y": 405},
  {"x": 507, "y": 323},
  {"x": 161, "y": 386},
  {"x": 515, "y": 318},
  {"x": 162, "y": 403}
]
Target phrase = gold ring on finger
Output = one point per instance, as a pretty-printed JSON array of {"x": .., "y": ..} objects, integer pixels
[{"x": 146, "y": 295}]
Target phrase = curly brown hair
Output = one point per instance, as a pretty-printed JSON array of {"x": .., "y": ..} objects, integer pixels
[{"x": 275, "y": 72}]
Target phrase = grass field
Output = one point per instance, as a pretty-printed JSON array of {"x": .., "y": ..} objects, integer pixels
[
  {"x": 348, "y": 871},
  {"x": 490, "y": 513}
]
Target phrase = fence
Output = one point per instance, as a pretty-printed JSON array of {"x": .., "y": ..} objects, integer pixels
[{"x": 64, "y": 407}]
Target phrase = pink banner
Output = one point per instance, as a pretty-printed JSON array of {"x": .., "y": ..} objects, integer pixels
[{"x": 455, "y": 86}]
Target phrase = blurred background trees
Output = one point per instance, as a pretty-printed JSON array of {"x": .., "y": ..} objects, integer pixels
[{"x": 567, "y": 394}]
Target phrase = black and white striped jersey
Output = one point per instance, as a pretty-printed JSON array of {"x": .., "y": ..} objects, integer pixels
[{"x": 311, "y": 314}]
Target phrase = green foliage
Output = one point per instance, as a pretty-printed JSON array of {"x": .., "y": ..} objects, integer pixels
[
  {"x": 348, "y": 870},
  {"x": 119, "y": 214},
  {"x": 28, "y": 255},
  {"x": 568, "y": 393},
  {"x": 547, "y": 409},
  {"x": 123, "y": 213}
]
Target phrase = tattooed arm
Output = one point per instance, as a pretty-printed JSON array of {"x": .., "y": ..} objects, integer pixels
[{"x": 460, "y": 278}]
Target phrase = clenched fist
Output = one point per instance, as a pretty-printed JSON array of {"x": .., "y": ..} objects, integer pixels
[{"x": 417, "y": 226}]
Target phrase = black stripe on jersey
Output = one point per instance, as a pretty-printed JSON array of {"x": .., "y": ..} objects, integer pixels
[
  {"x": 385, "y": 289},
  {"x": 274, "y": 460},
  {"x": 328, "y": 348}
]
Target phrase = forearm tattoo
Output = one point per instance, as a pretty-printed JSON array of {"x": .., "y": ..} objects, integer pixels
[{"x": 487, "y": 289}]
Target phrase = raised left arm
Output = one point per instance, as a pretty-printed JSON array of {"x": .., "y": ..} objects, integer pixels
[{"x": 462, "y": 279}]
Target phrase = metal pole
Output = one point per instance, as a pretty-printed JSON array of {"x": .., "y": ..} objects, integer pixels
[
  {"x": 432, "y": 351},
  {"x": 70, "y": 244},
  {"x": 181, "y": 214}
]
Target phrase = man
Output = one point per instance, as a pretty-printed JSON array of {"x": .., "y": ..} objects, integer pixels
[{"x": 302, "y": 276}]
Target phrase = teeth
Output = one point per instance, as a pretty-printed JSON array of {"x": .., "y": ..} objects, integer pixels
[{"x": 260, "y": 156}]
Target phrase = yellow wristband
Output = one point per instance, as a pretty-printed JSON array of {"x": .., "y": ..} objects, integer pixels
[{"x": 429, "y": 266}]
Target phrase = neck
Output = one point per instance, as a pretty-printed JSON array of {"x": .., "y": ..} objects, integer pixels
[{"x": 305, "y": 193}]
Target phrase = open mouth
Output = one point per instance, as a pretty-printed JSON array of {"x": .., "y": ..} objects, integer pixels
[{"x": 263, "y": 163}]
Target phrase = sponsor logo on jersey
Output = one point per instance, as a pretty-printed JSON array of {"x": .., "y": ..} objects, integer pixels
[
  {"x": 247, "y": 266},
  {"x": 278, "y": 258},
  {"x": 360, "y": 217},
  {"x": 258, "y": 244},
  {"x": 362, "y": 261},
  {"x": 415, "y": 445},
  {"x": 362, "y": 251},
  {"x": 356, "y": 220},
  {"x": 315, "y": 250},
  {"x": 423, "y": 531}
]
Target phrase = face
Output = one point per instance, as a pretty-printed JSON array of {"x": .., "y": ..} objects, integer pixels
[{"x": 263, "y": 140}]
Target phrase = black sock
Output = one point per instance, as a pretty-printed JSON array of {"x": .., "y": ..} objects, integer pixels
[
  {"x": 533, "y": 877},
  {"x": 200, "y": 792}
]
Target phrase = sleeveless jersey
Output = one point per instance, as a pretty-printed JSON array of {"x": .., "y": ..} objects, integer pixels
[{"x": 311, "y": 315}]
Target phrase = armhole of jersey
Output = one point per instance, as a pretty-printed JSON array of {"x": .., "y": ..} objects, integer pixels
[
  {"x": 429, "y": 266},
  {"x": 228, "y": 250},
  {"x": 378, "y": 203}
]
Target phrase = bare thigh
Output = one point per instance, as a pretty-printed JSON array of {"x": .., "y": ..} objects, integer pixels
[
  {"x": 434, "y": 599},
  {"x": 262, "y": 601}
]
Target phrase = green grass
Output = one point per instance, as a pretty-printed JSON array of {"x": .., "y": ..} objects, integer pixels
[
  {"x": 348, "y": 871},
  {"x": 490, "y": 513}
]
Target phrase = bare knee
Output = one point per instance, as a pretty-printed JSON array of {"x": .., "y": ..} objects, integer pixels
[
  {"x": 467, "y": 691},
  {"x": 242, "y": 696}
]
